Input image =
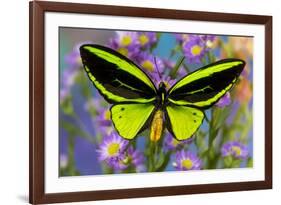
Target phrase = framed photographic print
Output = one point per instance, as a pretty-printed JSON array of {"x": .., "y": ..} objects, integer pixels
[{"x": 122, "y": 105}]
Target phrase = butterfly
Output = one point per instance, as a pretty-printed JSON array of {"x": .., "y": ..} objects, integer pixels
[{"x": 138, "y": 103}]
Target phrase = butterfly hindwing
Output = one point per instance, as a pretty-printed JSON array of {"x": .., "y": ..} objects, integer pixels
[
  {"x": 129, "y": 119},
  {"x": 205, "y": 86},
  {"x": 183, "y": 122},
  {"x": 116, "y": 77}
]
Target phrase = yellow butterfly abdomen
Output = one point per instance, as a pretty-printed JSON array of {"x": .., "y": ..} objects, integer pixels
[{"x": 156, "y": 126}]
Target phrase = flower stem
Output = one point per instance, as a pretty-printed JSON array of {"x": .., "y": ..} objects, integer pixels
[
  {"x": 210, "y": 141},
  {"x": 84, "y": 130},
  {"x": 71, "y": 168},
  {"x": 165, "y": 163},
  {"x": 151, "y": 156},
  {"x": 174, "y": 71},
  {"x": 207, "y": 119}
]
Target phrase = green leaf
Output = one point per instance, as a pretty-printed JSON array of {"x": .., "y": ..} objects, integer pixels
[
  {"x": 106, "y": 169},
  {"x": 204, "y": 154},
  {"x": 211, "y": 57},
  {"x": 162, "y": 166},
  {"x": 236, "y": 163},
  {"x": 200, "y": 140},
  {"x": 70, "y": 168},
  {"x": 250, "y": 162},
  {"x": 227, "y": 161},
  {"x": 82, "y": 79},
  {"x": 67, "y": 106},
  {"x": 76, "y": 131},
  {"x": 220, "y": 116}
]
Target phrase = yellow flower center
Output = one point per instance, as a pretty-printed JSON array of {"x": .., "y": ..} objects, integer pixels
[
  {"x": 187, "y": 163},
  {"x": 143, "y": 39},
  {"x": 107, "y": 115},
  {"x": 113, "y": 149},
  {"x": 237, "y": 150},
  {"x": 148, "y": 65},
  {"x": 123, "y": 51},
  {"x": 196, "y": 50},
  {"x": 126, "y": 40}
]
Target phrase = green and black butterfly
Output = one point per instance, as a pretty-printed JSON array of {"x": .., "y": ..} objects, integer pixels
[{"x": 138, "y": 103}]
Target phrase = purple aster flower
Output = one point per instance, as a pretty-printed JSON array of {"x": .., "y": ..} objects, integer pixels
[
  {"x": 182, "y": 37},
  {"x": 235, "y": 149},
  {"x": 224, "y": 101},
  {"x": 112, "y": 150},
  {"x": 103, "y": 121},
  {"x": 115, "y": 152},
  {"x": 73, "y": 59},
  {"x": 104, "y": 116},
  {"x": 165, "y": 69},
  {"x": 167, "y": 80},
  {"x": 70, "y": 73},
  {"x": 194, "y": 50},
  {"x": 147, "y": 62},
  {"x": 186, "y": 160},
  {"x": 101, "y": 116},
  {"x": 93, "y": 103},
  {"x": 195, "y": 46},
  {"x": 154, "y": 69},
  {"x": 127, "y": 38},
  {"x": 208, "y": 39},
  {"x": 147, "y": 39},
  {"x": 68, "y": 77},
  {"x": 135, "y": 158},
  {"x": 64, "y": 93},
  {"x": 126, "y": 43},
  {"x": 68, "y": 80},
  {"x": 170, "y": 143}
]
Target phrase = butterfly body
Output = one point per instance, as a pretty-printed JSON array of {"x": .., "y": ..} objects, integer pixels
[
  {"x": 138, "y": 103},
  {"x": 157, "y": 125}
]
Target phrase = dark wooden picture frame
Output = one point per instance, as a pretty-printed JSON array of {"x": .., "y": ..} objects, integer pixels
[{"x": 37, "y": 96}]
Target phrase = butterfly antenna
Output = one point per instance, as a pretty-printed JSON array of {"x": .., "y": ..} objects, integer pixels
[{"x": 157, "y": 67}]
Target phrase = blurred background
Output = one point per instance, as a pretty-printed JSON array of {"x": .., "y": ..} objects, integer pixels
[{"x": 88, "y": 144}]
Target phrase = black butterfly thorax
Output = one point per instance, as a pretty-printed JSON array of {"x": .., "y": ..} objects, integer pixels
[{"x": 161, "y": 98}]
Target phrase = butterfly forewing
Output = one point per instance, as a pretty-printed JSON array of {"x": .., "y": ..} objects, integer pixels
[
  {"x": 116, "y": 77},
  {"x": 206, "y": 86}
]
